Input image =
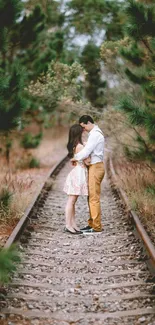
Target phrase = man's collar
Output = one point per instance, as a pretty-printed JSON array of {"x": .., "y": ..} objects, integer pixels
[{"x": 94, "y": 128}]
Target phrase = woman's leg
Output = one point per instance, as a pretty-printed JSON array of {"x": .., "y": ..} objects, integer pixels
[
  {"x": 74, "y": 225},
  {"x": 69, "y": 212}
]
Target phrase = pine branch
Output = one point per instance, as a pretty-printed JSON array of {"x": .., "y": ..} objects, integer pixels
[
  {"x": 135, "y": 112},
  {"x": 146, "y": 43},
  {"x": 133, "y": 54},
  {"x": 138, "y": 79},
  {"x": 141, "y": 20}
]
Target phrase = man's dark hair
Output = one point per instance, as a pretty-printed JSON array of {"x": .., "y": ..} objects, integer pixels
[{"x": 85, "y": 119}]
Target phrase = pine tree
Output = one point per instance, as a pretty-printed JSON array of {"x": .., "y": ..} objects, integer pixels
[
  {"x": 12, "y": 74},
  {"x": 93, "y": 16},
  {"x": 139, "y": 58},
  {"x": 96, "y": 20},
  {"x": 41, "y": 38},
  {"x": 94, "y": 88},
  {"x": 27, "y": 46}
]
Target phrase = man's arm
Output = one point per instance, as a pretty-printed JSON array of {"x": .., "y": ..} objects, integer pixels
[{"x": 87, "y": 150}]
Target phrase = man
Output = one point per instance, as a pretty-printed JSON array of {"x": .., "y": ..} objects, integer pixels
[{"x": 95, "y": 149}]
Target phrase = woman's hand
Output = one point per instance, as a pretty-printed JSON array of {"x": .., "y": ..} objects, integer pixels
[{"x": 73, "y": 161}]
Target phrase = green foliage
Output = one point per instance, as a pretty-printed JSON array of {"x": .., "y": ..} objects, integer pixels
[
  {"x": 8, "y": 258},
  {"x": 59, "y": 83},
  {"x": 31, "y": 141},
  {"x": 42, "y": 34},
  {"x": 34, "y": 163},
  {"x": 31, "y": 26},
  {"x": 5, "y": 198},
  {"x": 8, "y": 146},
  {"x": 12, "y": 98},
  {"x": 110, "y": 52},
  {"x": 140, "y": 20},
  {"x": 134, "y": 204},
  {"x": 139, "y": 67},
  {"x": 150, "y": 189},
  {"x": 91, "y": 16},
  {"x": 140, "y": 52},
  {"x": 51, "y": 9},
  {"x": 135, "y": 111},
  {"x": 9, "y": 12},
  {"x": 41, "y": 37},
  {"x": 133, "y": 53},
  {"x": 36, "y": 47},
  {"x": 12, "y": 75},
  {"x": 142, "y": 153},
  {"x": 94, "y": 87},
  {"x": 27, "y": 45},
  {"x": 98, "y": 20}
]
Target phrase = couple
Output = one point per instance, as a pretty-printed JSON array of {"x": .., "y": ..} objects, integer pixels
[{"x": 86, "y": 176}]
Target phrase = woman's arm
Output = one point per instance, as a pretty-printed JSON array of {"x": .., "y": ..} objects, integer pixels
[{"x": 78, "y": 148}]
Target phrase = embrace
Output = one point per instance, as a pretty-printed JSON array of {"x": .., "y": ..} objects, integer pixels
[{"x": 86, "y": 176}]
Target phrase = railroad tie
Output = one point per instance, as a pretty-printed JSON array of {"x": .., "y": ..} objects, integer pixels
[{"x": 80, "y": 279}]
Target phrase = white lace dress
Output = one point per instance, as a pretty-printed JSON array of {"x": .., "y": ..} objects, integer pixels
[{"x": 77, "y": 180}]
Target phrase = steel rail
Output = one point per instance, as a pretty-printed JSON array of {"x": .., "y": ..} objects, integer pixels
[
  {"x": 23, "y": 221},
  {"x": 148, "y": 246},
  {"x": 48, "y": 265}
]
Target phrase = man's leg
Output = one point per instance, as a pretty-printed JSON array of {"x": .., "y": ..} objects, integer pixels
[
  {"x": 90, "y": 220},
  {"x": 96, "y": 174}
]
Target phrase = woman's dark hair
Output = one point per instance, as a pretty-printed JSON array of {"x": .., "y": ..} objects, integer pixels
[
  {"x": 75, "y": 137},
  {"x": 85, "y": 119}
]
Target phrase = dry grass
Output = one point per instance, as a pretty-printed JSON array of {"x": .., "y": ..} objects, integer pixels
[
  {"x": 139, "y": 183},
  {"x": 21, "y": 189},
  {"x": 137, "y": 179},
  {"x": 23, "y": 183}
]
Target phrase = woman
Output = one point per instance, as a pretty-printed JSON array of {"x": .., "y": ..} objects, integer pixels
[{"x": 77, "y": 180}]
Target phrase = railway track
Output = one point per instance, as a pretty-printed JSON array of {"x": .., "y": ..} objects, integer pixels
[{"x": 79, "y": 279}]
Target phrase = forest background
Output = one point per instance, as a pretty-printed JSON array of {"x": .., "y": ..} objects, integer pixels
[{"x": 59, "y": 60}]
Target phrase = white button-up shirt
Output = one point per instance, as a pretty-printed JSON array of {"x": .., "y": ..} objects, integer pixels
[{"x": 94, "y": 147}]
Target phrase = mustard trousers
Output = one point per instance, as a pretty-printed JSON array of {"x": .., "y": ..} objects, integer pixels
[{"x": 95, "y": 175}]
